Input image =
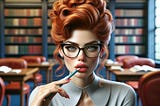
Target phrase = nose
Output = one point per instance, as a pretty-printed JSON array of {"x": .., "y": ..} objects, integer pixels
[{"x": 81, "y": 56}]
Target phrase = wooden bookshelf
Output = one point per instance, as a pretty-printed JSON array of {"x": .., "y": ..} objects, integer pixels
[
  {"x": 23, "y": 28},
  {"x": 130, "y": 32},
  {"x": 51, "y": 45}
]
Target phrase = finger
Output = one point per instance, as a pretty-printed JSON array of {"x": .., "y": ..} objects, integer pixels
[
  {"x": 63, "y": 93},
  {"x": 62, "y": 81}
]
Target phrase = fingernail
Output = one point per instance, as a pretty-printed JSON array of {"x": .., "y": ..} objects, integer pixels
[
  {"x": 67, "y": 96},
  {"x": 68, "y": 79},
  {"x": 59, "y": 89}
]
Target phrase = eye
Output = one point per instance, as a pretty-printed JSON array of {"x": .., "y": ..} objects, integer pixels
[
  {"x": 92, "y": 48},
  {"x": 71, "y": 48}
]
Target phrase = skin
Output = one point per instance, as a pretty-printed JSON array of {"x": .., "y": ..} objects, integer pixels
[
  {"x": 81, "y": 78},
  {"x": 81, "y": 37}
]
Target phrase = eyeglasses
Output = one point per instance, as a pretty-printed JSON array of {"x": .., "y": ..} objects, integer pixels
[{"x": 72, "y": 51}]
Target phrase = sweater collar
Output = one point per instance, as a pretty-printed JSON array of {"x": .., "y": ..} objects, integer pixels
[{"x": 94, "y": 90}]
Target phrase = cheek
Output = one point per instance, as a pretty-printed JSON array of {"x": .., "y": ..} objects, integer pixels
[
  {"x": 93, "y": 63},
  {"x": 69, "y": 63}
]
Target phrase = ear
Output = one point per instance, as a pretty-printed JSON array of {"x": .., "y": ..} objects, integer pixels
[{"x": 102, "y": 53}]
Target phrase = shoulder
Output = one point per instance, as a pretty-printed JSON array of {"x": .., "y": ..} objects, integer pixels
[
  {"x": 117, "y": 92},
  {"x": 115, "y": 86}
]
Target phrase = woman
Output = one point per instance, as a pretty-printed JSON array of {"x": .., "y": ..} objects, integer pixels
[{"x": 81, "y": 30}]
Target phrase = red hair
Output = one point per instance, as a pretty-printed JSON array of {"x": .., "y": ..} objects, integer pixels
[{"x": 68, "y": 15}]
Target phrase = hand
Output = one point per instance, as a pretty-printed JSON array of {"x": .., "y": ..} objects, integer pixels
[{"x": 46, "y": 92}]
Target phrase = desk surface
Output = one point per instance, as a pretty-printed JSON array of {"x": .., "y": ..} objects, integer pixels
[
  {"x": 24, "y": 72},
  {"x": 126, "y": 75}
]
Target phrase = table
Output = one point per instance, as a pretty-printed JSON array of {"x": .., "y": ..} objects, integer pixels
[
  {"x": 126, "y": 75},
  {"x": 108, "y": 67},
  {"x": 21, "y": 77},
  {"x": 44, "y": 67}
]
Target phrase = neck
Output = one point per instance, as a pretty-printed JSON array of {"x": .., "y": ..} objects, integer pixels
[{"x": 83, "y": 82}]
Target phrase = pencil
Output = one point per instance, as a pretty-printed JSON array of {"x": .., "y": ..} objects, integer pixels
[{"x": 71, "y": 74}]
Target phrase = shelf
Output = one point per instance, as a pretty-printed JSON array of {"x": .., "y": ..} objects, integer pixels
[
  {"x": 22, "y": 5},
  {"x": 129, "y": 36},
  {"x": 130, "y": 28},
  {"x": 130, "y": 5}
]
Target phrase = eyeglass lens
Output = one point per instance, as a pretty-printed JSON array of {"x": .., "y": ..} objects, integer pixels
[{"x": 89, "y": 50}]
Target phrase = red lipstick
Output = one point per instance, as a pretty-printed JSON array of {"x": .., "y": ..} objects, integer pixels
[{"x": 82, "y": 67}]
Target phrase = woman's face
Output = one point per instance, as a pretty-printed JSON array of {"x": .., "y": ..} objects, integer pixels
[{"x": 78, "y": 58}]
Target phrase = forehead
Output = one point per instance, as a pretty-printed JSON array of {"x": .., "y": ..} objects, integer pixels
[{"x": 82, "y": 37}]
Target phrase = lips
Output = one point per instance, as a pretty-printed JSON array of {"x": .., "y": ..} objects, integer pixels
[{"x": 83, "y": 67}]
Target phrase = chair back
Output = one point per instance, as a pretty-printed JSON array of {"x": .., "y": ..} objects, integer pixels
[
  {"x": 128, "y": 63},
  {"x": 2, "y": 91},
  {"x": 15, "y": 63},
  {"x": 121, "y": 58},
  {"x": 149, "y": 89},
  {"x": 34, "y": 59}
]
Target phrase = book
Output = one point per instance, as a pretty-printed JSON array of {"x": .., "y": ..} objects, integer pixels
[
  {"x": 116, "y": 68},
  {"x": 114, "y": 65},
  {"x": 6, "y": 69},
  {"x": 143, "y": 68}
]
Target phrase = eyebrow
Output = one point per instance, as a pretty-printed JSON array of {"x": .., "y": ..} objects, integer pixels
[{"x": 92, "y": 42}]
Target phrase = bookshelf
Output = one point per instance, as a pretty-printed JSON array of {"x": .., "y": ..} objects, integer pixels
[
  {"x": 25, "y": 28},
  {"x": 51, "y": 45},
  {"x": 130, "y": 32}
]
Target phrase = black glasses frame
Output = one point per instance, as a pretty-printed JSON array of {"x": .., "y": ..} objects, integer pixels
[{"x": 83, "y": 49}]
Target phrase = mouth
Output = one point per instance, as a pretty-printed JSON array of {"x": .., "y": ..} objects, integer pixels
[{"x": 82, "y": 67}]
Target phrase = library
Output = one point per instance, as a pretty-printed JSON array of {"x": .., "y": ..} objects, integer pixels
[{"x": 25, "y": 29}]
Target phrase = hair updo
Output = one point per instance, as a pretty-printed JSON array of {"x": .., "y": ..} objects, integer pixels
[{"x": 68, "y": 15}]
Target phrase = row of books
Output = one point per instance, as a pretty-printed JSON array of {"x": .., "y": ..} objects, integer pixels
[
  {"x": 129, "y": 49},
  {"x": 22, "y": 31},
  {"x": 128, "y": 39},
  {"x": 32, "y": 49},
  {"x": 23, "y": 1},
  {"x": 23, "y": 12},
  {"x": 23, "y": 39},
  {"x": 129, "y": 31},
  {"x": 129, "y": 22},
  {"x": 23, "y": 49},
  {"x": 131, "y": 1},
  {"x": 26, "y": 39},
  {"x": 129, "y": 13},
  {"x": 23, "y": 21}
]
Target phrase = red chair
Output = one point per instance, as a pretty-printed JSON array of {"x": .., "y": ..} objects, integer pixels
[
  {"x": 13, "y": 88},
  {"x": 128, "y": 63},
  {"x": 35, "y": 59},
  {"x": 2, "y": 91},
  {"x": 149, "y": 89},
  {"x": 121, "y": 58}
]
